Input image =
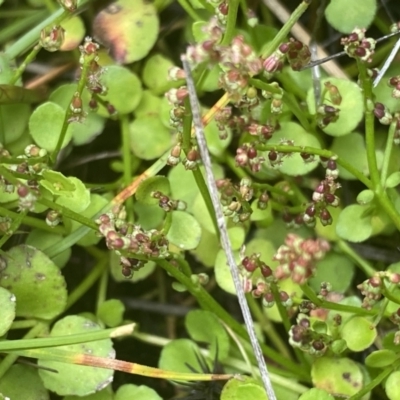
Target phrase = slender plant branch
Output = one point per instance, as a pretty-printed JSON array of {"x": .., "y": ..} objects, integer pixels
[{"x": 212, "y": 187}]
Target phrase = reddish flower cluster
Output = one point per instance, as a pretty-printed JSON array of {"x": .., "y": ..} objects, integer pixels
[
  {"x": 356, "y": 45},
  {"x": 297, "y": 257}
]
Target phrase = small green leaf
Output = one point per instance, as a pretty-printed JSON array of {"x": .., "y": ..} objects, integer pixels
[
  {"x": 178, "y": 355},
  {"x": 185, "y": 231},
  {"x": 204, "y": 326},
  {"x": 336, "y": 269},
  {"x": 56, "y": 183},
  {"x": 74, "y": 32},
  {"x": 149, "y": 138},
  {"x": 359, "y": 333},
  {"x": 393, "y": 180},
  {"x": 149, "y": 216},
  {"x": 316, "y": 394},
  {"x": 245, "y": 388},
  {"x": 78, "y": 380},
  {"x": 381, "y": 358},
  {"x": 150, "y": 104},
  {"x": 31, "y": 389},
  {"x": 223, "y": 274},
  {"x": 236, "y": 235},
  {"x": 97, "y": 203},
  {"x": 129, "y": 28},
  {"x": 92, "y": 125},
  {"x": 215, "y": 144},
  {"x": 130, "y": 392},
  {"x": 8, "y": 304},
  {"x": 344, "y": 147},
  {"x": 351, "y": 107},
  {"x": 345, "y": 19},
  {"x": 392, "y": 386},
  {"x": 354, "y": 224},
  {"x": 293, "y": 164},
  {"x": 198, "y": 31},
  {"x": 111, "y": 312},
  {"x": 105, "y": 394},
  {"x": 329, "y": 232},
  {"x": 155, "y": 73},
  {"x": 339, "y": 376},
  {"x": 124, "y": 90},
  {"x": 45, "y": 126},
  {"x": 116, "y": 269},
  {"x": 338, "y": 346},
  {"x": 35, "y": 281},
  {"x": 208, "y": 248},
  {"x": 14, "y": 120},
  {"x": 365, "y": 197},
  {"x": 150, "y": 185},
  {"x": 41, "y": 240},
  {"x": 77, "y": 200}
]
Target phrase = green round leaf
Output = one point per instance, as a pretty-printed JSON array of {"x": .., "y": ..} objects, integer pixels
[
  {"x": 359, "y": 333},
  {"x": 56, "y": 183},
  {"x": 111, "y": 312},
  {"x": 236, "y": 235},
  {"x": 74, "y": 32},
  {"x": 354, "y": 224},
  {"x": 130, "y": 392},
  {"x": 14, "y": 121},
  {"x": 149, "y": 105},
  {"x": 150, "y": 185},
  {"x": 294, "y": 164},
  {"x": 77, "y": 200},
  {"x": 339, "y": 376},
  {"x": 35, "y": 281},
  {"x": 245, "y": 388},
  {"x": 45, "y": 125},
  {"x": 393, "y": 180},
  {"x": 78, "y": 380},
  {"x": 265, "y": 215},
  {"x": 97, "y": 203},
  {"x": 365, "y": 197},
  {"x": 335, "y": 269},
  {"x": 185, "y": 231},
  {"x": 345, "y": 19},
  {"x": 392, "y": 385},
  {"x": 155, "y": 73},
  {"x": 23, "y": 382},
  {"x": 198, "y": 31},
  {"x": 129, "y": 28},
  {"x": 344, "y": 147},
  {"x": 105, "y": 394},
  {"x": 339, "y": 346},
  {"x": 215, "y": 144},
  {"x": 329, "y": 232},
  {"x": 178, "y": 355},
  {"x": 149, "y": 138},
  {"x": 124, "y": 90},
  {"x": 149, "y": 216},
  {"x": 41, "y": 240},
  {"x": 92, "y": 125},
  {"x": 116, "y": 269},
  {"x": 7, "y": 301},
  {"x": 351, "y": 107},
  {"x": 203, "y": 326},
  {"x": 223, "y": 274},
  {"x": 208, "y": 248},
  {"x": 316, "y": 394},
  {"x": 381, "y": 359}
]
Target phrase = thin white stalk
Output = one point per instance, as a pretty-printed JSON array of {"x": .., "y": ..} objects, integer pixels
[
  {"x": 388, "y": 61},
  {"x": 212, "y": 187}
]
